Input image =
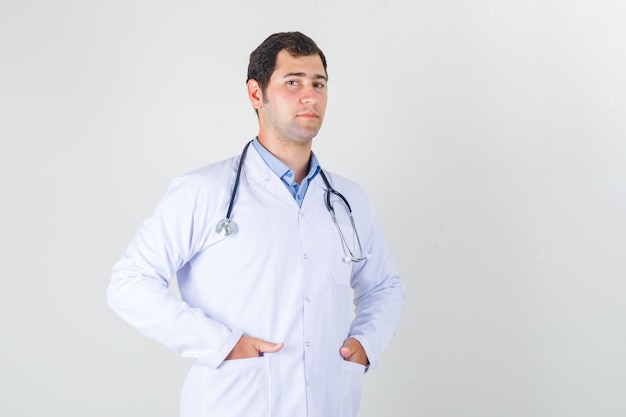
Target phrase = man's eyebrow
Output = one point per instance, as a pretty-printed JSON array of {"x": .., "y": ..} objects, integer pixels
[{"x": 305, "y": 75}]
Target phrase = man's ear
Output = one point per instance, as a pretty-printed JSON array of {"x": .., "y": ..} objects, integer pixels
[{"x": 255, "y": 94}]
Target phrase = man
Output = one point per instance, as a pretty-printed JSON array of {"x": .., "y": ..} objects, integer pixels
[{"x": 284, "y": 306}]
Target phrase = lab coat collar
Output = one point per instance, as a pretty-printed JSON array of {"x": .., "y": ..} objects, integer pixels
[{"x": 258, "y": 173}]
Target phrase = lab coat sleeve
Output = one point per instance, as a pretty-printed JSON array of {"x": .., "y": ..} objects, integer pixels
[
  {"x": 378, "y": 293},
  {"x": 138, "y": 290}
]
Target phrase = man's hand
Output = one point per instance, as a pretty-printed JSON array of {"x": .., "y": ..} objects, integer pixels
[
  {"x": 353, "y": 351},
  {"x": 251, "y": 347}
]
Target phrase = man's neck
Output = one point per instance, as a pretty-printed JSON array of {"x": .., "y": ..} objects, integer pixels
[{"x": 293, "y": 154}]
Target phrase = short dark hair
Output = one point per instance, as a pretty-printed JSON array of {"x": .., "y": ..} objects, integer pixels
[{"x": 263, "y": 58}]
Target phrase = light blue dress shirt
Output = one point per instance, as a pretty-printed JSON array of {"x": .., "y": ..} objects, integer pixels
[{"x": 286, "y": 174}]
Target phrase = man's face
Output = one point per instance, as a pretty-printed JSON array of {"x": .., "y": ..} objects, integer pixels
[{"x": 295, "y": 98}]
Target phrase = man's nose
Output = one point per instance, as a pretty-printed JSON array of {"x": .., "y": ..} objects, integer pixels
[{"x": 309, "y": 95}]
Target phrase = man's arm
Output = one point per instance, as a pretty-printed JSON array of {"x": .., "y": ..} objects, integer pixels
[
  {"x": 139, "y": 293},
  {"x": 378, "y": 291}
]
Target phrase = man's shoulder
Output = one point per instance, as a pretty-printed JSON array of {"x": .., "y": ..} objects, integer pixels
[
  {"x": 210, "y": 174},
  {"x": 339, "y": 182}
]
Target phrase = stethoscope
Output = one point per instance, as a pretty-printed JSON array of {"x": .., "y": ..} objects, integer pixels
[{"x": 228, "y": 227}]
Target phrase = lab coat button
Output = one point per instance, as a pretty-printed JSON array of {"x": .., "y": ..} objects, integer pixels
[
  {"x": 308, "y": 343},
  {"x": 307, "y": 299},
  {"x": 305, "y": 256}
]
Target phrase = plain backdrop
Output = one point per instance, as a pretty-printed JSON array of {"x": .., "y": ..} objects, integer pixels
[{"x": 490, "y": 135}]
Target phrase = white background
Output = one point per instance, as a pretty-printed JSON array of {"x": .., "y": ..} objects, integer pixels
[{"x": 490, "y": 135}]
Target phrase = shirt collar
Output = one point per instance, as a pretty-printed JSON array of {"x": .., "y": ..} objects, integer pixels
[{"x": 282, "y": 170}]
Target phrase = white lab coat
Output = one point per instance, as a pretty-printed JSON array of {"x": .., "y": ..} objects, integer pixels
[{"x": 281, "y": 278}]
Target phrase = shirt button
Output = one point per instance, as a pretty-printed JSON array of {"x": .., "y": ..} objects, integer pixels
[
  {"x": 307, "y": 299},
  {"x": 305, "y": 256},
  {"x": 308, "y": 343}
]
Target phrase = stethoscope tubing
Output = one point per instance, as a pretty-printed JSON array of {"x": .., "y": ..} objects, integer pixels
[
  {"x": 236, "y": 185},
  {"x": 226, "y": 227},
  {"x": 330, "y": 189}
]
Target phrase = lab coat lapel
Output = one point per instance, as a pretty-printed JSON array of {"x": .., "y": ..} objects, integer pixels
[{"x": 258, "y": 174}]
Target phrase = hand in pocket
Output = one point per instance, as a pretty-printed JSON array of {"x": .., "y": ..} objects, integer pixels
[
  {"x": 353, "y": 351},
  {"x": 252, "y": 347}
]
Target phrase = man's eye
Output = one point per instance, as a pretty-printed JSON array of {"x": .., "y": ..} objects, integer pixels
[
  {"x": 319, "y": 85},
  {"x": 292, "y": 82}
]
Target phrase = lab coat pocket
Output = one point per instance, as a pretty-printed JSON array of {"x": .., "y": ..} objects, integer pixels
[
  {"x": 342, "y": 272},
  {"x": 235, "y": 388},
  {"x": 351, "y": 385}
]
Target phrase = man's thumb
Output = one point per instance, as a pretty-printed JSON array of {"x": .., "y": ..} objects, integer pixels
[
  {"x": 345, "y": 352},
  {"x": 269, "y": 347}
]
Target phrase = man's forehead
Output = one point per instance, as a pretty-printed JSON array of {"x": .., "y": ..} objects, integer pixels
[{"x": 303, "y": 65}]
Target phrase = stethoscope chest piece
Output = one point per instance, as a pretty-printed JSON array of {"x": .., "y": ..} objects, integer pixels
[{"x": 226, "y": 227}]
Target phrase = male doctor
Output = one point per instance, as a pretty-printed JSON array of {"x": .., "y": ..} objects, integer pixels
[{"x": 287, "y": 306}]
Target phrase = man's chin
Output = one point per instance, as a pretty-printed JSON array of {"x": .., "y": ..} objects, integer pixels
[{"x": 303, "y": 135}]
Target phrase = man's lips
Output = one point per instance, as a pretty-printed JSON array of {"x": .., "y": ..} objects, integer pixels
[{"x": 308, "y": 115}]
